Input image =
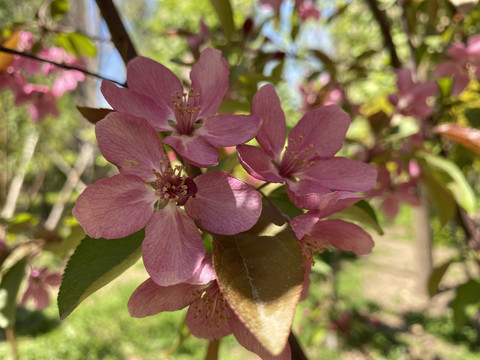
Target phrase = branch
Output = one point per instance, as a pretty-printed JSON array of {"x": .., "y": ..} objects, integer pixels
[
  {"x": 385, "y": 28},
  {"x": 60, "y": 65},
  {"x": 119, "y": 34}
]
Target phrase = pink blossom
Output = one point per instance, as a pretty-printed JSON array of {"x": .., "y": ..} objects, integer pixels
[
  {"x": 316, "y": 235},
  {"x": 465, "y": 64},
  {"x": 157, "y": 95},
  {"x": 411, "y": 98},
  {"x": 308, "y": 166},
  {"x": 196, "y": 40},
  {"x": 393, "y": 194},
  {"x": 308, "y": 10},
  {"x": 209, "y": 315},
  {"x": 39, "y": 282},
  {"x": 123, "y": 204},
  {"x": 40, "y": 99}
]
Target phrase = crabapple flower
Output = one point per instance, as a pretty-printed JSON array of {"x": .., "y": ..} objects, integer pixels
[
  {"x": 308, "y": 166},
  {"x": 393, "y": 194},
  {"x": 157, "y": 95},
  {"x": 316, "y": 235},
  {"x": 465, "y": 64},
  {"x": 40, "y": 99},
  {"x": 124, "y": 203},
  {"x": 39, "y": 282},
  {"x": 209, "y": 315},
  {"x": 308, "y": 10},
  {"x": 411, "y": 99}
]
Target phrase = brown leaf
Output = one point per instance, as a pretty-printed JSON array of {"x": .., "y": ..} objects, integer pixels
[
  {"x": 464, "y": 135},
  {"x": 93, "y": 115},
  {"x": 260, "y": 272}
]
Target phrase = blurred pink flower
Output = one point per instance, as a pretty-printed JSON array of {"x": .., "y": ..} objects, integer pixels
[
  {"x": 157, "y": 95},
  {"x": 39, "y": 282},
  {"x": 40, "y": 99},
  {"x": 197, "y": 40},
  {"x": 412, "y": 98},
  {"x": 308, "y": 10},
  {"x": 123, "y": 204},
  {"x": 209, "y": 315},
  {"x": 465, "y": 64},
  {"x": 308, "y": 166},
  {"x": 393, "y": 194}
]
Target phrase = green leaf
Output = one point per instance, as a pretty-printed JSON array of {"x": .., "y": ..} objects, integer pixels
[
  {"x": 439, "y": 196},
  {"x": 58, "y": 8},
  {"x": 76, "y": 43},
  {"x": 260, "y": 272},
  {"x": 467, "y": 294},
  {"x": 95, "y": 263},
  {"x": 225, "y": 15},
  {"x": 448, "y": 173},
  {"x": 437, "y": 275},
  {"x": 281, "y": 200},
  {"x": 473, "y": 116},
  {"x": 363, "y": 213},
  {"x": 9, "y": 291}
]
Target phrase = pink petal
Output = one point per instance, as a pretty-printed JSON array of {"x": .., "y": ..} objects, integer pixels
[
  {"x": 194, "y": 149},
  {"x": 134, "y": 103},
  {"x": 173, "y": 248},
  {"x": 41, "y": 298},
  {"x": 229, "y": 130},
  {"x": 114, "y": 207},
  {"x": 54, "y": 279},
  {"x": 390, "y": 206},
  {"x": 150, "y": 299},
  {"x": 149, "y": 78},
  {"x": 328, "y": 204},
  {"x": 404, "y": 81},
  {"x": 306, "y": 280},
  {"x": 131, "y": 144},
  {"x": 458, "y": 51},
  {"x": 210, "y": 317},
  {"x": 305, "y": 194},
  {"x": 272, "y": 133},
  {"x": 324, "y": 127},
  {"x": 460, "y": 82},
  {"x": 258, "y": 164},
  {"x": 210, "y": 78},
  {"x": 340, "y": 173},
  {"x": 223, "y": 204},
  {"x": 250, "y": 342},
  {"x": 473, "y": 46},
  {"x": 446, "y": 69},
  {"x": 341, "y": 234},
  {"x": 205, "y": 272}
]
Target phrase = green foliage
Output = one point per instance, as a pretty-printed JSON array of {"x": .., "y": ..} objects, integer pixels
[
  {"x": 363, "y": 213},
  {"x": 76, "y": 43},
  {"x": 467, "y": 294},
  {"x": 9, "y": 287},
  {"x": 225, "y": 16},
  {"x": 95, "y": 263}
]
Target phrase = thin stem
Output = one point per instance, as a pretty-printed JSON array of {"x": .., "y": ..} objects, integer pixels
[
  {"x": 60, "y": 65},
  {"x": 10, "y": 333},
  {"x": 385, "y": 29},
  {"x": 212, "y": 351},
  {"x": 119, "y": 34}
]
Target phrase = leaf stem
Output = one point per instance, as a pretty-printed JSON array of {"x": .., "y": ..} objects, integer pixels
[
  {"x": 212, "y": 350},
  {"x": 10, "y": 333},
  {"x": 60, "y": 65}
]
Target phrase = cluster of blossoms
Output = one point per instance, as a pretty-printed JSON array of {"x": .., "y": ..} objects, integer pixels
[
  {"x": 174, "y": 206},
  {"x": 40, "y": 98},
  {"x": 306, "y": 9}
]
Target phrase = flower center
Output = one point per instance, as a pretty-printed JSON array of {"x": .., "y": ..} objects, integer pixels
[
  {"x": 171, "y": 185},
  {"x": 309, "y": 248},
  {"x": 186, "y": 108},
  {"x": 299, "y": 158},
  {"x": 213, "y": 306}
]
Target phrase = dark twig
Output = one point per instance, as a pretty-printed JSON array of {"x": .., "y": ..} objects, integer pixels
[
  {"x": 119, "y": 34},
  {"x": 385, "y": 29},
  {"x": 60, "y": 65}
]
